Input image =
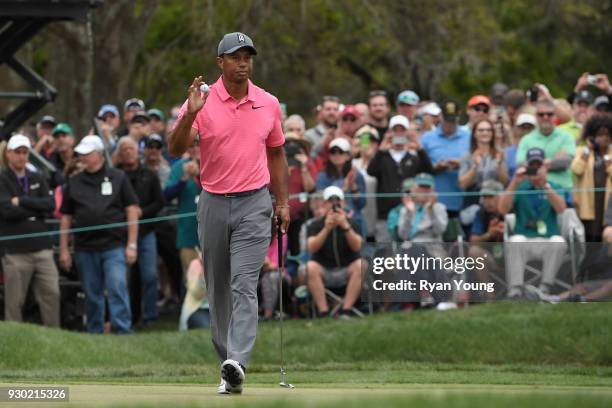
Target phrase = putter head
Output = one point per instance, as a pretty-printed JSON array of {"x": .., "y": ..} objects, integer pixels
[{"x": 286, "y": 385}]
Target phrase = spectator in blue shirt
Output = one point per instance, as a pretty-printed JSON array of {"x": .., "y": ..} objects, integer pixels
[{"x": 445, "y": 145}]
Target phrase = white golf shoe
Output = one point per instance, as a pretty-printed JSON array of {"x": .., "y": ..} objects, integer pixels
[{"x": 232, "y": 373}]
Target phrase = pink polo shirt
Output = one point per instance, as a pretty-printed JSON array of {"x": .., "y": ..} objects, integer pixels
[{"x": 234, "y": 136}]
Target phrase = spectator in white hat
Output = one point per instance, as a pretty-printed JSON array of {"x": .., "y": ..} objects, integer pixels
[
  {"x": 101, "y": 194},
  {"x": 398, "y": 158},
  {"x": 340, "y": 172},
  {"x": 24, "y": 203},
  {"x": 430, "y": 113},
  {"x": 334, "y": 242},
  {"x": 525, "y": 123}
]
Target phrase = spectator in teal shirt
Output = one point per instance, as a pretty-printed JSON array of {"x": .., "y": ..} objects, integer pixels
[
  {"x": 536, "y": 203},
  {"x": 182, "y": 184}
]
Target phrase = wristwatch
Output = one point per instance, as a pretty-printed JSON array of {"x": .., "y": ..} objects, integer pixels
[{"x": 132, "y": 246}]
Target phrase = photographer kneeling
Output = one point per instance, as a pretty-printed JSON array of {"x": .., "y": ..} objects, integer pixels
[{"x": 334, "y": 243}]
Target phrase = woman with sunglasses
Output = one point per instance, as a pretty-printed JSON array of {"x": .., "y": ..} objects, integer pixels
[
  {"x": 340, "y": 172},
  {"x": 483, "y": 162}
]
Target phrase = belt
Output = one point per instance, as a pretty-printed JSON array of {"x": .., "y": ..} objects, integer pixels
[{"x": 239, "y": 193}]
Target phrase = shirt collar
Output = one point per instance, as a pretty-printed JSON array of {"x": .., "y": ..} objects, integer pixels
[
  {"x": 444, "y": 135},
  {"x": 224, "y": 95}
]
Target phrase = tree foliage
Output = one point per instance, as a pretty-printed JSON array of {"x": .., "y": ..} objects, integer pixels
[{"x": 309, "y": 48}]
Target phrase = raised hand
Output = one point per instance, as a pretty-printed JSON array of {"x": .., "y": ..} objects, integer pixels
[{"x": 196, "y": 98}]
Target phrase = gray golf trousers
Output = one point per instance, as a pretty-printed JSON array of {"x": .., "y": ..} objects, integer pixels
[{"x": 234, "y": 234}]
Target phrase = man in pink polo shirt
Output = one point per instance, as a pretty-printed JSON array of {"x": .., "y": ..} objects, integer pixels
[{"x": 241, "y": 150}]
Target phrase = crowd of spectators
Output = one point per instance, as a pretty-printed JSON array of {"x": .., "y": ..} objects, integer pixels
[{"x": 383, "y": 170}]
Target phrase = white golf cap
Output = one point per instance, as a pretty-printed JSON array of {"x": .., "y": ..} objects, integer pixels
[
  {"x": 333, "y": 191},
  {"x": 88, "y": 144},
  {"x": 431, "y": 108},
  {"x": 17, "y": 141},
  {"x": 399, "y": 120},
  {"x": 341, "y": 143},
  {"x": 526, "y": 119}
]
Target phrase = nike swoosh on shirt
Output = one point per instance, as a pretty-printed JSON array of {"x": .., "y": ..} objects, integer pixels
[{"x": 256, "y": 107}]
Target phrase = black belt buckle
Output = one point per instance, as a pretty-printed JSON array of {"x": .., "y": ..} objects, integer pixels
[{"x": 229, "y": 195}]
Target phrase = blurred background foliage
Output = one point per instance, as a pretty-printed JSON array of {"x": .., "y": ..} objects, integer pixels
[{"x": 308, "y": 48}]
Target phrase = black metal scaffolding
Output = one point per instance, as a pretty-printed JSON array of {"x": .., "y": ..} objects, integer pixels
[{"x": 20, "y": 21}]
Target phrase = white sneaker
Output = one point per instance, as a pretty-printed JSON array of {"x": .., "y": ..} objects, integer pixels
[
  {"x": 233, "y": 374},
  {"x": 223, "y": 389},
  {"x": 538, "y": 294}
]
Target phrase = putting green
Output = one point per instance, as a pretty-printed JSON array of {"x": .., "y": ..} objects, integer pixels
[{"x": 158, "y": 395}]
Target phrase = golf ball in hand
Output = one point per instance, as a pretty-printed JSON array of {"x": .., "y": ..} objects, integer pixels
[{"x": 204, "y": 88}]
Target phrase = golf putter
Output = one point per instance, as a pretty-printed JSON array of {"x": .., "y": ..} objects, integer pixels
[{"x": 279, "y": 237}]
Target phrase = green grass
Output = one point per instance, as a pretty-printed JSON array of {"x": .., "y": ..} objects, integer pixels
[{"x": 536, "y": 347}]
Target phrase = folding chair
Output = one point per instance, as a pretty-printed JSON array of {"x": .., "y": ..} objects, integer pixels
[{"x": 571, "y": 231}]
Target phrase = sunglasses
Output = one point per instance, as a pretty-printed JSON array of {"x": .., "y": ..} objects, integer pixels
[
  {"x": 336, "y": 150},
  {"x": 479, "y": 108},
  {"x": 155, "y": 146},
  {"x": 545, "y": 114},
  {"x": 330, "y": 98},
  {"x": 378, "y": 93}
]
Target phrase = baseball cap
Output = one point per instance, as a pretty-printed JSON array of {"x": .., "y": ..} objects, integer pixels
[
  {"x": 233, "y": 42},
  {"x": 104, "y": 109},
  {"x": 331, "y": 192},
  {"x": 526, "y": 119},
  {"x": 139, "y": 116},
  {"x": 407, "y": 185},
  {"x": 48, "y": 119},
  {"x": 62, "y": 128},
  {"x": 341, "y": 143},
  {"x": 88, "y": 144},
  {"x": 491, "y": 187},
  {"x": 157, "y": 113},
  {"x": 498, "y": 91},
  {"x": 535, "y": 154},
  {"x": 584, "y": 96},
  {"x": 431, "y": 108},
  {"x": 399, "y": 120},
  {"x": 133, "y": 102},
  {"x": 601, "y": 100},
  {"x": 424, "y": 179},
  {"x": 450, "y": 110},
  {"x": 350, "y": 110},
  {"x": 17, "y": 141},
  {"x": 408, "y": 97},
  {"x": 370, "y": 130},
  {"x": 479, "y": 100},
  {"x": 154, "y": 138}
]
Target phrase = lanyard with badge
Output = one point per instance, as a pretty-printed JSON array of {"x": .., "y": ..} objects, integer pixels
[
  {"x": 536, "y": 199},
  {"x": 106, "y": 188}
]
